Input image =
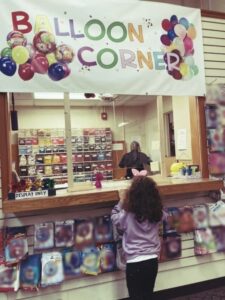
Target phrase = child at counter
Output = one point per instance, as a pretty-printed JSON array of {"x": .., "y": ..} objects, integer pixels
[{"x": 138, "y": 215}]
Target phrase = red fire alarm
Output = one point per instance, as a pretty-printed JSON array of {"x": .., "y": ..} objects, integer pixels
[{"x": 104, "y": 116}]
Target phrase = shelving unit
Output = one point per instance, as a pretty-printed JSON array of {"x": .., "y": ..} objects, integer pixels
[{"x": 42, "y": 153}]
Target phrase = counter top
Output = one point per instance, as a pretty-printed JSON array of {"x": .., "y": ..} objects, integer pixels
[{"x": 108, "y": 194}]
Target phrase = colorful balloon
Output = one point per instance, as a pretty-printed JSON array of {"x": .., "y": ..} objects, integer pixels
[
  {"x": 184, "y": 22},
  {"x": 191, "y": 32},
  {"x": 176, "y": 74},
  {"x": 51, "y": 58},
  {"x": 180, "y": 31},
  {"x": 166, "y": 25},
  {"x": 20, "y": 54},
  {"x": 188, "y": 45},
  {"x": 56, "y": 72},
  {"x": 16, "y": 38},
  {"x": 44, "y": 42},
  {"x": 184, "y": 69},
  {"x": 64, "y": 54},
  {"x": 26, "y": 71},
  {"x": 171, "y": 34},
  {"x": 189, "y": 60},
  {"x": 179, "y": 45},
  {"x": 7, "y": 66},
  {"x": 66, "y": 70},
  {"x": 40, "y": 64},
  {"x": 174, "y": 20},
  {"x": 165, "y": 40},
  {"x": 195, "y": 69},
  {"x": 6, "y": 52}
]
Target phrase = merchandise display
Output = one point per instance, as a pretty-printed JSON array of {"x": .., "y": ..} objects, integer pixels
[
  {"x": 42, "y": 152},
  {"x": 30, "y": 272},
  {"x": 44, "y": 236},
  {"x": 72, "y": 262},
  {"x": 52, "y": 269},
  {"x": 9, "y": 278},
  {"x": 64, "y": 233}
]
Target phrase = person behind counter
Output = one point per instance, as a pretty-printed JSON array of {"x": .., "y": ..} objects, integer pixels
[
  {"x": 137, "y": 216},
  {"x": 135, "y": 159}
]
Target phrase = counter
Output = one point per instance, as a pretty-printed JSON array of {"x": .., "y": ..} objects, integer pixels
[{"x": 108, "y": 194}]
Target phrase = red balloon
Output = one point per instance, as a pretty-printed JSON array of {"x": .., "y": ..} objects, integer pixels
[
  {"x": 40, "y": 64},
  {"x": 166, "y": 25},
  {"x": 176, "y": 74},
  {"x": 26, "y": 71},
  {"x": 66, "y": 70}
]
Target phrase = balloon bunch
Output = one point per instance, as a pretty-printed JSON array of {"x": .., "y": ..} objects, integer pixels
[
  {"x": 179, "y": 48},
  {"x": 42, "y": 57}
]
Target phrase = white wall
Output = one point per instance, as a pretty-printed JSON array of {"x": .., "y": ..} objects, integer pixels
[{"x": 181, "y": 117}]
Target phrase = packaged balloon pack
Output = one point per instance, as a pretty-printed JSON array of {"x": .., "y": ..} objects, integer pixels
[
  {"x": 52, "y": 269},
  {"x": 103, "y": 229},
  {"x": 72, "y": 262},
  {"x": 107, "y": 257},
  {"x": 204, "y": 241},
  {"x": 84, "y": 233},
  {"x": 171, "y": 224},
  {"x": 200, "y": 216},
  {"x": 16, "y": 249},
  {"x": 44, "y": 236},
  {"x": 30, "y": 272},
  {"x": 64, "y": 233},
  {"x": 91, "y": 261},
  {"x": 9, "y": 278}
]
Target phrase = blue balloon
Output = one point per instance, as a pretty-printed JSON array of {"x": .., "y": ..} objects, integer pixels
[
  {"x": 7, "y": 66},
  {"x": 184, "y": 22},
  {"x": 171, "y": 34},
  {"x": 56, "y": 71},
  {"x": 174, "y": 20}
]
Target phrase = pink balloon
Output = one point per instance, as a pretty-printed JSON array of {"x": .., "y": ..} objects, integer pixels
[
  {"x": 166, "y": 25},
  {"x": 40, "y": 64},
  {"x": 165, "y": 40},
  {"x": 188, "y": 45}
]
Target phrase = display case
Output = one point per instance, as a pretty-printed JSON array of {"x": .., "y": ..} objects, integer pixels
[{"x": 42, "y": 152}]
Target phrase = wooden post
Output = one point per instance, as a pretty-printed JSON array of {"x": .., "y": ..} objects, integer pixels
[
  {"x": 203, "y": 138},
  {"x": 5, "y": 150},
  {"x": 161, "y": 134},
  {"x": 68, "y": 142}
]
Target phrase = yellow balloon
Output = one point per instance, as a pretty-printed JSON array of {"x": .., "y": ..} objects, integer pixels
[
  {"x": 184, "y": 69},
  {"x": 191, "y": 33},
  {"x": 51, "y": 58},
  {"x": 20, "y": 54}
]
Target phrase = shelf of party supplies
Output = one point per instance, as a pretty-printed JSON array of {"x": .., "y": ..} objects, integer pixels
[{"x": 108, "y": 195}]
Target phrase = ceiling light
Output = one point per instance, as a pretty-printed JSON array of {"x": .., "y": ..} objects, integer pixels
[
  {"x": 49, "y": 96},
  {"x": 80, "y": 96},
  {"x": 123, "y": 124}
]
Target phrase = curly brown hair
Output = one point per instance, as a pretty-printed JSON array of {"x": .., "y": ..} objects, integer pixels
[{"x": 143, "y": 199}]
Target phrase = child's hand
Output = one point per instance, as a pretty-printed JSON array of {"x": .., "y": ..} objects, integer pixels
[{"x": 122, "y": 195}]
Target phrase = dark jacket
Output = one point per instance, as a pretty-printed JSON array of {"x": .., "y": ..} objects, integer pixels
[{"x": 134, "y": 160}]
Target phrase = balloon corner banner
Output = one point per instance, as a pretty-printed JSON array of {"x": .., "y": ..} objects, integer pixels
[{"x": 125, "y": 47}]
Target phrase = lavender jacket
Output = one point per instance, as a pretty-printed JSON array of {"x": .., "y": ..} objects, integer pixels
[{"x": 138, "y": 238}]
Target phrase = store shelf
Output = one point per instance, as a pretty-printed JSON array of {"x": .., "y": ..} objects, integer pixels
[{"x": 108, "y": 195}]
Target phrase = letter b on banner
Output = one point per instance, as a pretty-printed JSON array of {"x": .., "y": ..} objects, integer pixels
[{"x": 21, "y": 22}]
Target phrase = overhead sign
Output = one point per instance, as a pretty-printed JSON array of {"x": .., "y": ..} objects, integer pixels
[{"x": 125, "y": 47}]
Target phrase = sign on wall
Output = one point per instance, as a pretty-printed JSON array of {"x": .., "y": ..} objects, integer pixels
[{"x": 119, "y": 47}]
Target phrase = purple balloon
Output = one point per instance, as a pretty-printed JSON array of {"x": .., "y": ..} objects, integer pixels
[
  {"x": 7, "y": 66},
  {"x": 174, "y": 20},
  {"x": 165, "y": 40}
]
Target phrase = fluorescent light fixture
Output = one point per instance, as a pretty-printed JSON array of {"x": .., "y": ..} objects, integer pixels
[
  {"x": 49, "y": 96},
  {"x": 80, "y": 96},
  {"x": 123, "y": 124},
  {"x": 76, "y": 96}
]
